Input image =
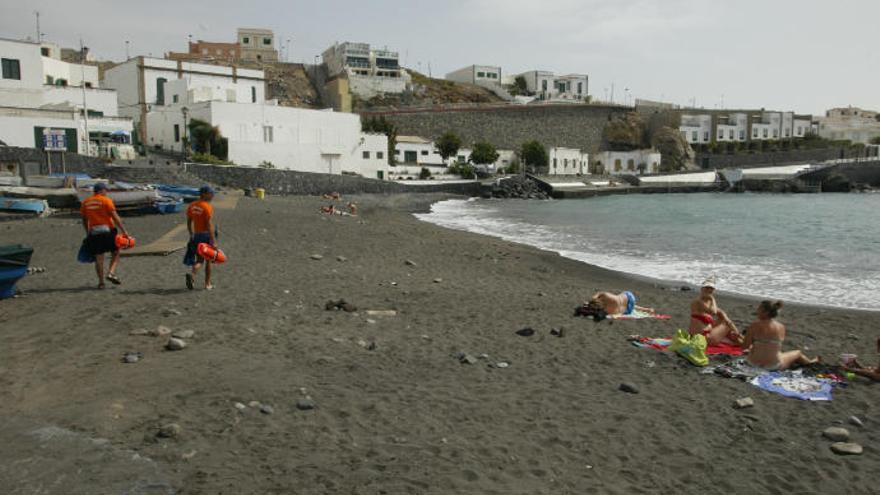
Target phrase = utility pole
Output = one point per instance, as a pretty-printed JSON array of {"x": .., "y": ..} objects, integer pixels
[
  {"x": 39, "y": 33},
  {"x": 184, "y": 142},
  {"x": 612, "y": 92},
  {"x": 127, "y": 57},
  {"x": 82, "y": 66}
]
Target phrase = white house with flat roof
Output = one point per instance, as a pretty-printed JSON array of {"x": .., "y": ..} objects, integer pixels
[
  {"x": 257, "y": 45},
  {"x": 854, "y": 124},
  {"x": 476, "y": 74},
  {"x": 141, "y": 85},
  {"x": 416, "y": 150},
  {"x": 696, "y": 129},
  {"x": 40, "y": 93},
  {"x": 546, "y": 85},
  {"x": 635, "y": 162},
  {"x": 290, "y": 138},
  {"x": 740, "y": 127},
  {"x": 567, "y": 161}
]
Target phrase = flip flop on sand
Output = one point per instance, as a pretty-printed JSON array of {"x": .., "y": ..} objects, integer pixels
[
  {"x": 189, "y": 281},
  {"x": 113, "y": 279}
]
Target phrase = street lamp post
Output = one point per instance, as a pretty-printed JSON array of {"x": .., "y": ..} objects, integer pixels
[{"x": 184, "y": 142}]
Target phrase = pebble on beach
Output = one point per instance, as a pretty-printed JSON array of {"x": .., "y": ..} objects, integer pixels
[
  {"x": 175, "y": 344},
  {"x": 410, "y": 263},
  {"x": 183, "y": 334},
  {"x": 316, "y": 257},
  {"x": 468, "y": 359},
  {"x": 171, "y": 430},
  {"x": 171, "y": 312},
  {"x": 305, "y": 404},
  {"x": 160, "y": 331},
  {"x": 267, "y": 409},
  {"x": 846, "y": 448},
  {"x": 744, "y": 403},
  {"x": 438, "y": 280},
  {"x": 341, "y": 259},
  {"x": 628, "y": 388},
  {"x": 240, "y": 406},
  {"x": 836, "y": 434},
  {"x": 854, "y": 420}
]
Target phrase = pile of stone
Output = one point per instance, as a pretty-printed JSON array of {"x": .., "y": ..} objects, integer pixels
[{"x": 518, "y": 187}]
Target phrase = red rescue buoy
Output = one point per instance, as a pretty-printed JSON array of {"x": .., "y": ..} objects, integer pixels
[
  {"x": 124, "y": 242},
  {"x": 210, "y": 253}
]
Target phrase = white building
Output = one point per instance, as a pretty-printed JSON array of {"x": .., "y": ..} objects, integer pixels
[
  {"x": 480, "y": 75},
  {"x": 548, "y": 86},
  {"x": 696, "y": 129},
  {"x": 370, "y": 72},
  {"x": 567, "y": 161},
  {"x": 635, "y": 162},
  {"x": 854, "y": 124},
  {"x": 299, "y": 139},
  {"x": 417, "y": 151},
  {"x": 141, "y": 85},
  {"x": 740, "y": 127},
  {"x": 38, "y": 91}
]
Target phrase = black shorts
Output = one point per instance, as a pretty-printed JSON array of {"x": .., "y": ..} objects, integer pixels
[{"x": 104, "y": 242}]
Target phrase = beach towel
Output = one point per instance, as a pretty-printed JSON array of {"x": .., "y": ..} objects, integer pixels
[
  {"x": 794, "y": 384},
  {"x": 638, "y": 314},
  {"x": 662, "y": 344}
]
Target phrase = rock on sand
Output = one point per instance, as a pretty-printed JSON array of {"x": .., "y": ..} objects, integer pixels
[{"x": 846, "y": 448}]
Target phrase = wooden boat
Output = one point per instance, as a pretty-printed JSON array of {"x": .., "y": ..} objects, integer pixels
[
  {"x": 14, "y": 260},
  {"x": 39, "y": 207}
]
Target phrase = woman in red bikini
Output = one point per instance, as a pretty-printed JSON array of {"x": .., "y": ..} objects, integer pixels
[{"x": 708, "y": 319}]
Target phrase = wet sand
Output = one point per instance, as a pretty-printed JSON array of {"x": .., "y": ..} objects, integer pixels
[{"x": 396, "y": 411}]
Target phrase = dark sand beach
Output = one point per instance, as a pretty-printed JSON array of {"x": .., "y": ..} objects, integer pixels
[{"x": 396, "y": 412}]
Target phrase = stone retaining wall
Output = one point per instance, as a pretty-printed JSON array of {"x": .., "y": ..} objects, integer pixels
[{"x": 768, "y": 159}]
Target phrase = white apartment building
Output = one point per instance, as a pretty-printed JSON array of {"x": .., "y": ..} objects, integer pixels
[
  {"x": 257, "y": 45},
  {"x": 141, "y": 85},
  {"x": 854, "y": 124},
  {"x": 635, "y": 162},
  {"x": 299, "y": 139},
  {"x": 481, "y": 75},
  {"x": 548, "y": 86},
  {"x": 696, "y": 129},
  {"x": 720, "y": 127},
  {"x": 39, "y": 92},
  {"x": 567, "y": 161},
  {"x": 370, "y": 71}
]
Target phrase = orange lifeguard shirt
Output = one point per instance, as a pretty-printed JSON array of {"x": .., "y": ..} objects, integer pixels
[
  {"x": 200, "y": 212},
  {"x": 97, "y": 210}
]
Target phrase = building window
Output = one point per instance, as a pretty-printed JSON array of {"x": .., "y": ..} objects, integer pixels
[
  {"x": 366, "y": 155},
  {"x": 424, "y": 152},
  {"x": 11, "y": 68},
  {"x": 267, "y": 41},
  {"x": 786, "y": 133},
  {"x": 565, "y": 163},
  {"x": 245, "y": 41},
  {"x": 380, "y": 155},
  {"x": 706, "y": 136},
  {"x": 176, "y": 133},
  {"x": 720, "y": 133},
  {"x": 544, "y": 85},
  {"x": 160, "y": 90},
  {"x": 580, "y": 88},
  {"x": 268, "y": 134},
  {"x": 775, "y": 133},
  {"x": 630, "y": 164},
  {"x": 88, "y": 85},
  {"x": 410, "y": 156},
  {"x": 396, "y": 152},
  {"x": 755, "y": 132},
  {"x": 617, "y": 165},
  {"x": 253, "y": 94},
  {"x": 742, "y": 135},
  {"x": 800, "y": 130},
  {"x": 694, "y": 136},
  {"x": 765, "y": 133},
  {"x": 461, "y": 159},
  {"x": 554, "y": 163},
  {"x": 175, "y": 98},
  {"x": 50, "y": 80},
  {"x": 481, "y": 74},
  {"x": 44, "y": 51}
]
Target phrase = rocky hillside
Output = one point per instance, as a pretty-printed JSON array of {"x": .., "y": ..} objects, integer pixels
[{"x": 429, "y": 91}]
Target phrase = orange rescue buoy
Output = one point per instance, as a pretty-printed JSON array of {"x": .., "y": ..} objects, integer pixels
[
  {"x": 210, "y": 253},
  {"x": 124, "y": 242}
]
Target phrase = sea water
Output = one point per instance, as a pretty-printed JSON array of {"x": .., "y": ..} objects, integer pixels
[{"x": 821, "y": 249}]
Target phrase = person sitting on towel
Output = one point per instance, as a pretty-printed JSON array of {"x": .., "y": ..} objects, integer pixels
[
  {"x": 617, "y": 304},
  {"x": 866, "y": 371},
  {"x": 764, "y": 337},
  {"x": 710, "y": 320}
]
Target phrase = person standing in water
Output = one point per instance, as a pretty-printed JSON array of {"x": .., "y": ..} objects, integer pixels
[{"x": 200, "y": 223}]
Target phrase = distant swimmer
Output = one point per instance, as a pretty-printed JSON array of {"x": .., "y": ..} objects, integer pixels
[
  {"x": 710, "y": 320},
  {"x": 764, "y": 339},
  {"x": 200, "y": 223},
  {"x": 100, "y": 220},
  {"x": 617, "y": 304}
]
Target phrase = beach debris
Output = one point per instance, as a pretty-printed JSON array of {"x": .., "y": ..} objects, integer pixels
[
  {"x": 372, "y": 346},
  {"x": 175, "y": 344},
  {"x": 426, "y": 336},
  {"x": 650, "y": 364},
  {"x": 170, "y": 430},
  {"x": 183, "y": 334},
  {"x": 266, "y": 409},
  {"x": 854, "y": 420},
  {"x": 628, "y": 388},
  {"x": 341, "y": 259},
  {"x": 744, "y": 403},
  {"x": 836, "y": 434},
  {"x": 483, "y": 356},
  {"x": 36, "y": 269},
  {"x": 380, "y": 312},
  {"x": 305, "y": 404},
  {"x": 541, "y": 294},
  {"x": 316, "y": 257},
  {"x": 557, "y": 332},
  {"x": 526, "y": 332},
  {"x": 410, "y": 263},
  {"x": 852, "y": 336},
  {"x": 171, "y": 312},
  {"x": 438, "y": 280},
  {"x": 139, "y": 332},
  {"x": 132, "y": 357},
  {"x": 277, "y": 304},
  {"x": 240, "y": 406},
  {"x": 846, "y": 448},
  {"x": 371, "y": 322},
  {"x": 342, "y": 304}
]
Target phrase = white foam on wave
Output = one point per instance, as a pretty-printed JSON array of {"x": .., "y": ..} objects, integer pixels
[{"x": 764, "y": 278}]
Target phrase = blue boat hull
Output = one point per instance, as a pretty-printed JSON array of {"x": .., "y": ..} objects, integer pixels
[
  {"x": 19, "y": 205},
  {"x": 14, "y": 260},
  {"x": 8, "y": 279}
]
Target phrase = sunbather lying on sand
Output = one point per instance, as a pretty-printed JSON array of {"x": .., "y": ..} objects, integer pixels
[
  {"x": 866, "y": 371},
  {"x": 334, "y": 195},
  {"x": 764, "y": 338},
  {"x": 617, "y": 304},
  {"x": 332, "y": 210},
  {"x": 708, "y": 319}
]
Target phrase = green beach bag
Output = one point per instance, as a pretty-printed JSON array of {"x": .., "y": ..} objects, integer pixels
[{"x": 690, "y": 347}]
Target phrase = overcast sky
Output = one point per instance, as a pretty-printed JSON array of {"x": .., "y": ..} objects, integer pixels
[{"x": 801, "y": 55}]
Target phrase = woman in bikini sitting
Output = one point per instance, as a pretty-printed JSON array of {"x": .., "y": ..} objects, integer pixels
[
  {"x": 764, "y": 339},
  {"x": 866, "y": 371},
  {"x": 708, "y": 319}
]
